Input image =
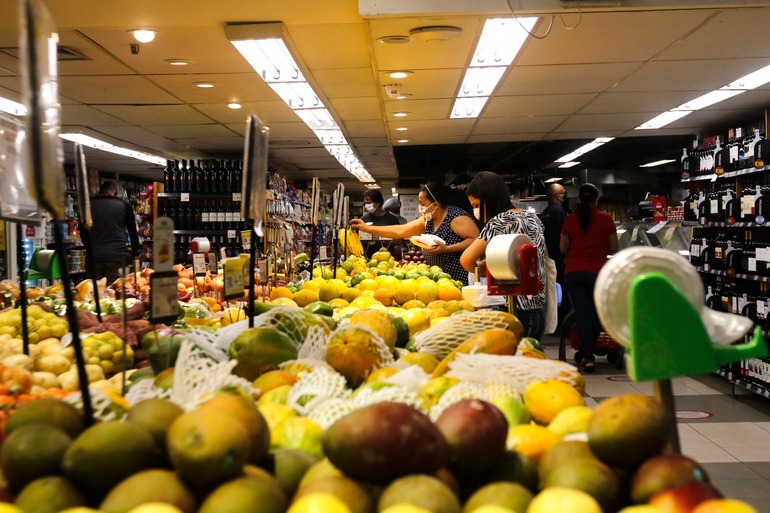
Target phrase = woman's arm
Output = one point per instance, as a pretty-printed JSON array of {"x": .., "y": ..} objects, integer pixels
[
  {"x": 394, "y": 231},
  {"x": 463, "y": 227},
  {"x": 612, "y": 243},
  {"x": 564, "y": 244},
  {"x": 472, "y": 253}
]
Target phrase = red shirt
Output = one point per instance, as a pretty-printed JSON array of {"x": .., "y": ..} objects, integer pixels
[{"x": 588, "y": 250}]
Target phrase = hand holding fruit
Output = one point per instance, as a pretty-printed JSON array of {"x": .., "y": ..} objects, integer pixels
[
  {"x": 438, "y": 249},
  {"x": 358, "y": 224}
]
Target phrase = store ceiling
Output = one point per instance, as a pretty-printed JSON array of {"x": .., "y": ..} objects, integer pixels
[{"x": 602, "y": 69}]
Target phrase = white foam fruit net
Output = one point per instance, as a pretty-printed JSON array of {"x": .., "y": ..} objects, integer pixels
[
  {"x": 513, "y": 371},
  {"x": 443, "y": 338},
  {"x": 288, "y": 319},
  {"x": 103, "y": 407},
  {"x": 316, "y": 387},
  {"x": 196, "y": 378}
]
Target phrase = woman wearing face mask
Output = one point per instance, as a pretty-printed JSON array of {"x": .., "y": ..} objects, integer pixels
[
  {"x": 491, "y": 201},
  {"x": 437, "y": 217},
  {"x": 375, "y": 214}
]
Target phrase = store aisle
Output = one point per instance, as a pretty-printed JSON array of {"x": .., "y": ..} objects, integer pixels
[{"x": 729, "y": 436}]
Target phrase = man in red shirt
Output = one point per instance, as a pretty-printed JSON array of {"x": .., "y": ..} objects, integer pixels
[{"x": 588, "y": 237}]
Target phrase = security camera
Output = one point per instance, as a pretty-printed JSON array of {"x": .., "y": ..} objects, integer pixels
[
  {"x": 134, "y": 49},
  {"x": 393, "y": 90}
]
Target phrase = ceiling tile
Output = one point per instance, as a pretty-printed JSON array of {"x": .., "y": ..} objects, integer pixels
[
  {"x": 419, "y": 110},
  {"x": 228, "y": 87},
  {"x": 609, "y": 124},
  {"x": 88, "y": 116},
  {"x": 563, "y": 78},
  {"x": 519, "y": 125},
  {"x": 215, "y": 144},
  {"x": 114, "y": 90},
  {"x": 268, "y": 112},
  {"x": 542, "y": 105},
  {"x": 449, "y": 127},
  {"x": 534, "y": 136},
  {"x": 362, "y": 129},
  {"x": 345, "y": 83},
  {"x": 356, "y": 109},
  {"x": 190, "y": 131},
  {"x": 332, "y": 46},
  {"x": 650, "y": 102},
  {"x": 155, "y": 115}
]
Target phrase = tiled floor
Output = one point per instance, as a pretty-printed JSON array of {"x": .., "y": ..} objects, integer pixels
[{"x": 732, "y": 443}]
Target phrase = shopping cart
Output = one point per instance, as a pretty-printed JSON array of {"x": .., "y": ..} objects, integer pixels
[{"x": 605, "y": 345}]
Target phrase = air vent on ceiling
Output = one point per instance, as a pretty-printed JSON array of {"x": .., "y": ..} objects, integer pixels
[{"x": 63, "y": 53}]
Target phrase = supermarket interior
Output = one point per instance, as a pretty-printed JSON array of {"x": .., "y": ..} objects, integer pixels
[{"x": 396, "y": 257}]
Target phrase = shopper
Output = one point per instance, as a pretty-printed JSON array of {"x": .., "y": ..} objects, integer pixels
[
  {"x": 113, "y": 218},
  {"x": 491, "y": 200},
  {"x": 437, "y": 217},
  {"x": 377, "y": 216},
  {"x": 393, "y": 205},
  {"x": 553, "y": 217},
  {"x": 588, "y": 237}
]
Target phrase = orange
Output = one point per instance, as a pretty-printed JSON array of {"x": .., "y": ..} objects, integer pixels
[
  {"x": 437, "y": 313},
  {"x": 283, "y": 301},
  {"x": 405, "y": 291},
  {"x": 338, "y": 303},
  {"x": 304, "y": 297},
  {"x": 417, "y": 319},
  {"x": 414, "y": 303},
  {"x": 280, "y": 292},
  {"x": 531, "y": 440},
  {"x": 723, "y": 506},
  {"x": 449, "y": 293},
  {"x": 384, "y": 296},
  {"x": 545, "y": 399},
  {"x": 311, "y": 285}
]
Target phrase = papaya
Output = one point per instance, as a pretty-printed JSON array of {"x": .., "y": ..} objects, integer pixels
[
  {"x": 352, "y": 352},
  {"x": 494, "y": 341},
  {"x": 378, "y": 321},
  {"x": 259, "y": 350}
]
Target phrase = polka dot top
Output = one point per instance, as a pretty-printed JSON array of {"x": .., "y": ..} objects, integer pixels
[{"x": 449, "y": 262}]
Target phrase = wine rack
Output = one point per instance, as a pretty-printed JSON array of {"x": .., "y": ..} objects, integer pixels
[{"x": 728, "y": 209}]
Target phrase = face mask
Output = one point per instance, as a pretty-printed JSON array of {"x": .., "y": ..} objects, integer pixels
[
  {"x": 370, "y": 207},
  {"x": 424, "y": 212},
  {"x": 477, "y": 213}
]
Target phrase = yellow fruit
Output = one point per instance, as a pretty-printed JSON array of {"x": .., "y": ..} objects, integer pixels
[
  {"x": 350, "y": 294},
  {"x": 405, "y": 291},
  {"x": 304, "y": 297},
  {"x": 493, "y": 341},
  {"x": 283, "y": 301},
  {"x": 328, "y": 291},
  {"x": 155, "y": 507},
  {"x": 723, "y": 506},
  {"x": 449, "y": 293},
  {"x": 367, "y": 293},
  {"x": 417, "y": 319},
  {"x": 427, "y": 292},
  {"x": 570, "y": 420},
  {"x": 379, "y": 322},
  {"x": 352, "y": 353},
  {"x": 318, "y": 503},
  {"x": 425, "y": 361},
  {"x": 277, "y": 395},
  {"x": 435, "y": 388},
  {"x": 340, "y": 273},
  {"x": 364, "y": 302},
  {"x": 531, "y": 440},
  {"x": 384, "y": 296},
  {"x": 414, "y": 303},
  {"x": 563, "y": 500},
  {"x": 404, "y": 508},
  {"x": 545, "y": 399},
  {"x": 311, "y": 285},
  {"x": 454, "y": 306},
  {"x": 231, "y": 315},
  {"x": 275, "y": 413},
  {"x": 640, "y": 509},
  {"x": 492, "y": 508},
  {"x": 437, "y": 320},
  {"x": 381, "y": 374},
  {"x": 436, "y": 313},
  {"x": 338, "y": 303},
  {"x": 368, "y": 285},
  {"x": 298, "y": 433},
  {"x": 273, "y": 379},
  {"x": 279, "y": 292},
  {"x": 10, "y": 508}
]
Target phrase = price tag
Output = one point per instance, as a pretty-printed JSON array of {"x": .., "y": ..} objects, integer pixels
[
  {"x": 213, "y": 268},
  {"x": 246, "y": 240},
  {"x": 230, "y": 234},
  {"x": 164, "y": 304},
  {"x": 236, "y": 196},
  {"x": 322, "y": 253},
  {"x": 199, "y": 264},
  {"x": 163, "y": 244},
  {"x": 364, "y": 236},
  {"x": 233, "y": 269},
  {"x": 669, "y": 233},
  {"x": 185, "y": 197},
  {"x": 263, "y": 272},
  {"x": 246, "y": 270}
]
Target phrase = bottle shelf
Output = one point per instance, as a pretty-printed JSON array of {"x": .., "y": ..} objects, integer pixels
[
  {"x": 729, "y": 174},
  {"x": 199, "y": 195},
  {"x": 204, "y": 232},
  {"x": 740, "y": 224},
  {"x": 752, "y": 387},
  {"x": 739, "y": 276}
]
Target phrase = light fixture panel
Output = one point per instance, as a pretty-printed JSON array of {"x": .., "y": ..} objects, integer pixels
[
  {"x": 480, "y": 81},
  {"x": 468, "y": 107},
  {"x": 500, "y": 41}
]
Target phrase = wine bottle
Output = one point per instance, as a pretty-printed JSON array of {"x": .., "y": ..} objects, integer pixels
[
  {"x": 227, "y": 175},
  {"x": 167, "y": 174},
  {"x": 204, "y": 216},
  {"x": 221, "y": 217},
  {"x": 238, "y": 177},
  {"x": 213, "y": 183}
]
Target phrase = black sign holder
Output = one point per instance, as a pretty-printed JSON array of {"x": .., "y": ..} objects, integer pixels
[
  {"x": 85, "y": 222},
  {"x": 22, "y": 263}
]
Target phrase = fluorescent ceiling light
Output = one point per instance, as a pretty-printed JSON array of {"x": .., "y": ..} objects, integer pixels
[
  {"x": 204, "y": 85},
  {"x": 662, "y": 120},
  {"x": 400, "y": 114},
  {"x": 401, "y": 129},
  {"x": 177, "y": 62},
  {"x": 468, "y": 107},
  {"x": 264, "y": 47},
  {"x": 553, "y": 180},
  {"x": 399, "y": 74},
  {"x": 403, "y": 140},
  {"x": 599, "y": 141},
  {"x": 500, "y": 42},
  {"x": 92, "y": 142},
  {"x": 480, "y": 81},
  {"x": 12, "y": 107},
  {"x": 708, "y": 99},
  {"x": 658, "y": 163},
  {"x": 372, "y": 186},
  {"x": 568, "y": 164},
  {"x": 748, "y": 82},
  {"x": 751, "y": 81},
  {"x": 234, "y": 106}
]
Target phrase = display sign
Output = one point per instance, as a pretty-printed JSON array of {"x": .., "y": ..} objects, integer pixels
[
  {"x": 409, "y": 206},
  {"x": 164, "y": 304},
  {"x": 184, "y": 197},
  {"x": 246, "y": 240},
  {"x": 213, "y": 264},
  {"x": 322, "y": 253},
  {"x": 43, "y": 153},
  {"x": 199, "y": 264},
  {"x": 81, "y": 181},
  {"x": 254, "y": 171},
  {"x": 163, "y": 244},
  {"x": 233, "y": 271}
]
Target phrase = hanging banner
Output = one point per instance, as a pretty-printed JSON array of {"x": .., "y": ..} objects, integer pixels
[
  {"x": 16, "y": 202},
  {"x": 254, "y": 171}
]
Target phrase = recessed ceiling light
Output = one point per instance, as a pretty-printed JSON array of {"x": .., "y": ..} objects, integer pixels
[
  {"x": 143, "y": 35},
  {"x": 403, "y": 140},
  {"x": 400, "y": 114},
  {"x": 401, "y": 129},
  {"x": 204, "y": 85},
  {"x": 400, "y": 74},
  {"x": 234, "y": 105},
  {"x": 403, "y": 96},
  {"x": 394, "y": 40},
  {"x": 177, "y": 62}
]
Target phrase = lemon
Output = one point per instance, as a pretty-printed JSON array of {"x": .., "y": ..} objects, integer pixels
[
  {"x": 425, "y": 361},
  {"x": 305, "y": 296},
  {"x": 571, "y": 420},
  {"x": 279, "y": 292},
  {"x": 319, "y": 503},
  {"x": 545, "y": 399},
  {"x": 404, "y": 508},
  {"x": 530, "y": 440},
  {"x": 155, "y": 507},
  {"x": 563, "y": 500},
  {"x": 275, "y": 413}
]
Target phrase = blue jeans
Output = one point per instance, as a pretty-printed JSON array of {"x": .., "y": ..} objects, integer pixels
[{"x": 580, "y": 287}]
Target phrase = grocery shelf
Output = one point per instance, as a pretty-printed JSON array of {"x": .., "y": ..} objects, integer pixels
[
  {"x": 201, "y": 232},
  {"x": 729, "y": 174},
  {"x": 741, "y": 224},
  {"x": 752, "y": 387},
  {"x": 740, "y": 276},
  {"x": 199, "y": 195}
]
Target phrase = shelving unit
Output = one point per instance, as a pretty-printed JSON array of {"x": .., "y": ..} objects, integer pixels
[{"x": 731, "y": 240}]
